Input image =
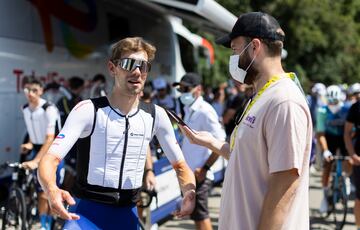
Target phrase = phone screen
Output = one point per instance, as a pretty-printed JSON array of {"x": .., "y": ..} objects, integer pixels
[{"x": 176, "y": 118}]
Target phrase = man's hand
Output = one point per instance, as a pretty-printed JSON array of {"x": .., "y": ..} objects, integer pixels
[
  {"x": 30, "y": 164},
  {"x": 355, "y": 159},
  {"x": 150, "y": 181},
  {"x": 200, "y": 174},
  {"x": 187, "y": 205},
  {"x": 57, "y": 197},
  {"x": 202, "y": 138},
  {"x": 328, "y": 156},
  {"x": 24, "y": 148}
]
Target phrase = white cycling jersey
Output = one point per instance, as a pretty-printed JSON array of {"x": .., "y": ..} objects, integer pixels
[
  {"x": 112, "y": 146},
  {"x": 41, "y": 121}
]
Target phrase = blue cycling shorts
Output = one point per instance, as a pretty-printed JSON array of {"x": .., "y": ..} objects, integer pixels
[{"x": 95, "y": 216}]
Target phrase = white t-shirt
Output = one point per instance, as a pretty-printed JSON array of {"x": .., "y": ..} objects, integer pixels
[
  {"x": 41, "y": 122},
  {"x": 274, "y": 136},
  {"x": 200, "y": 116}
]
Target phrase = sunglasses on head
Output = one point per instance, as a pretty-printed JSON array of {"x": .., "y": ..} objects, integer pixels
[{"x": 130, "y": 65}]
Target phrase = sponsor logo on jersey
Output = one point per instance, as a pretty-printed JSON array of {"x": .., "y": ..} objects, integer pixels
[{"x": 60, "y": 136}]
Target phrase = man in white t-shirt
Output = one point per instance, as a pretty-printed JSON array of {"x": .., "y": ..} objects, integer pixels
[
  {"x": 199, "y": 115},
  {"x": 266, "y": 181}
]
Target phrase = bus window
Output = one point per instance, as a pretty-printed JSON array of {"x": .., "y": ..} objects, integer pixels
[
  {"x": 187, "y": 54},
  {"x": 118, "y": 27}
]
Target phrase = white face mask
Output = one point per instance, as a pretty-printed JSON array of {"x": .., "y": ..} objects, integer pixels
[
  {"x": 187, "y": 98},
  {"x": 335, "y": 108},
  {"x": 236, "y": 72}
]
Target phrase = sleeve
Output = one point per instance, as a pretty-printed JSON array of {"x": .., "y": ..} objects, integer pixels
[
  {"x": 166, "y": 136},
  {"x": 52, "y": 116},
  {"x": 352, "y": 114},
  {"x": 321, "y": 120},
  {"x": 287, "y": 133},
  {"x": 78, "y": 125},
  {"x": 213, "y": 125}
]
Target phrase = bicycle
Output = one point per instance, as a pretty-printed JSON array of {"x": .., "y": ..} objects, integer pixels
[
  {"x": 337, "y": 197},
  {"x": 20, "y": 210},
  {"x": 146, "y": 197}
]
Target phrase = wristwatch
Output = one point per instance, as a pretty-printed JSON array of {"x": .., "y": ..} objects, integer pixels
[{"x": 206, "y": 167}]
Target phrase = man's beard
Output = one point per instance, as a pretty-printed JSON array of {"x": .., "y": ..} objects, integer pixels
[{"x": 252, "y": 73}]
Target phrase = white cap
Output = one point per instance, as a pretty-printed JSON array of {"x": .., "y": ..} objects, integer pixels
[
  {"x": 319, "y": 88},
  {"x": 354, "y": 88},
  {"x": 159, "y": 83}
]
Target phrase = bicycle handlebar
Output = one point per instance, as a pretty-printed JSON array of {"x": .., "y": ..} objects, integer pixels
[{"x": 342, "y": 158}]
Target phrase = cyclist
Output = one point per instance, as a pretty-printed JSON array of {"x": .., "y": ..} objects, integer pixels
[
  {"x": 353, "y": 148},
  {"x": 113, "y": 134},
  {"x": 42, "y": 122},
  {"x": 330, "y": 120}
]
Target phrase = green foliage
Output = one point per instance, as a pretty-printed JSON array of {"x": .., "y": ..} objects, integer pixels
[{"x": 322, "y": 38}]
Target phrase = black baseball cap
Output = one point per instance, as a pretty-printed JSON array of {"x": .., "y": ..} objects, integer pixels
[
  {"x": 254, "y": 25},
  {"x": 189, "y": 79}
]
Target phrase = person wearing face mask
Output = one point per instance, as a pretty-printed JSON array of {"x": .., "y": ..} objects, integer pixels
[
  {"x": 266, "y": 184},
  {"x": 199, "y": 115},
  {"x": 329, "y": 131}
]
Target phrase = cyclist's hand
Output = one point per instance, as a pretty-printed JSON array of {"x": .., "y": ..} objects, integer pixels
[
  {"x": 200, "y": 175},
  {"x": 30, "y": 165},
  {"x": 150, "y": 181},
  {"x": 202, "y": 138},
  {"x": 26, "y": 147},
  {"x": 187, "y": 205},
  {"x": 355, "y": 159},
  {"x": 328, "y": 156},
  {"x": 57, "y": 197}
]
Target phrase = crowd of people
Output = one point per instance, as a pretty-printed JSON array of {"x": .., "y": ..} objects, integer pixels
[{"x": 261, "y": 122}]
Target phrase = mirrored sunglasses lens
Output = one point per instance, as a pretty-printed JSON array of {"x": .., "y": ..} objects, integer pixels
[{"x": 129, "y": 64}]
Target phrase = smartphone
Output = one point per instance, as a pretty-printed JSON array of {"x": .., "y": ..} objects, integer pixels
[{"x": 176, "y": 118}]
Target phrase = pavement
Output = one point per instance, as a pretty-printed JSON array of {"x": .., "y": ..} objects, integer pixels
[{"x": 316, "y": 221}]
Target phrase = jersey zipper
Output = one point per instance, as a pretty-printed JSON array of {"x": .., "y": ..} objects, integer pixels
[
  {"x": 124, "y": 150},
  {"x": 33, "y": 126}
]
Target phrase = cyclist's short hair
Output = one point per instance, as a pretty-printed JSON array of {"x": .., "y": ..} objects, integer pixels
[
  {"x": 34, "y": 81},
  {"x": 274, "y": 47},
  {"x": 133, "y": 44},
  {"x": 99, "y": 77},
  {"x": 76, "y": 83}
]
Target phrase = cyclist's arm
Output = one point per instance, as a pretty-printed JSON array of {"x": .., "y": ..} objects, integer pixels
[
  {"x": 320, "y": 128},
  {"x": 166, "y": 136},
  {"x": 348, "y": 138},
  {"x": 277, "y": 201},
  {"x": 149, "y": 179},
  {"x": 77, "y": 125}
]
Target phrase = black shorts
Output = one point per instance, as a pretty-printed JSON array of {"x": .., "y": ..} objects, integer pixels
[
  {"x": 356, "y": 180},
  {"x": 336, "y": 143},
  {"x": 201, "y": 211}
]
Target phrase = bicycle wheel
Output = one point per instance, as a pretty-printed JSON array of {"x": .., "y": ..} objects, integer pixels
[
  {"x": 340, "y": 204},
  {"x": 15, "y": 211},
  {"x": 32, "y": 205}
]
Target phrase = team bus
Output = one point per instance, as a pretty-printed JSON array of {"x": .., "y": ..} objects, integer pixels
[{"x": 54, "y": 40}]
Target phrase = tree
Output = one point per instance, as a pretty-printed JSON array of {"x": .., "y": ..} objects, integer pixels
[{"x": 322, "y": 37}]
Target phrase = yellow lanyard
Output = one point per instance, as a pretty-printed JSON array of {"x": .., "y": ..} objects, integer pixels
[{"x": 252, "y": 102}]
